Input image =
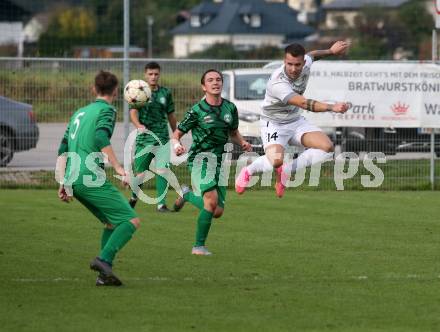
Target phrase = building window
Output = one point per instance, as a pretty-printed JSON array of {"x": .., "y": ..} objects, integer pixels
[
  {"x": 195, "y": 21},
  {"x": 255, "y": 21},
  {"x": 206, "y": 19}
]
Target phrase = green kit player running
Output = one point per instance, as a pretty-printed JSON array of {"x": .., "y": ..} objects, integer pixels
[
  {"x": 211, "y": 121},
  {"x": 154, "y": 116},
  {"x": 83, "y": 148}
]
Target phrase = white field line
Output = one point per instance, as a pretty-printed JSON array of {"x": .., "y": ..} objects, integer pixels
[{"x": 262, "y": 278}]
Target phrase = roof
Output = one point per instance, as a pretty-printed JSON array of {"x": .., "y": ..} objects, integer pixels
[
  {"x": 11, "y": 12},
  {"x": 357, "y": 4},
  {"x": 41, "y": 5},
  {"x": 276, "y": 18}
]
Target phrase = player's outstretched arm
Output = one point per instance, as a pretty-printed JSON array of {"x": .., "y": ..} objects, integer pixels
[
  {"x": 179, "y": 149},
  {"x": 238, "y": 139},
  {"x": 134, "y": 117},
  {"x": 338, "y": 48},
  {"x": 172, "y": 121},
  {"x": 317, "y": 106}
]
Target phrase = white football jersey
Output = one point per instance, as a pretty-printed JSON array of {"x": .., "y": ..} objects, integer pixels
[{"x": 279, "y": 89}]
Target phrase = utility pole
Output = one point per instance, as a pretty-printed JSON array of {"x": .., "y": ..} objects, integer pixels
[
  {"x": 126, "y": 63},
  {"x": 150, "y": 22},
  {"x": 434, "y": 59}
]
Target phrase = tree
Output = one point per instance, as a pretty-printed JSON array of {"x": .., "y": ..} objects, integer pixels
[
  {"x": 164, "y": 13},
  {"x": 370, "y": 40},
  {"x": 110, "y": 17},
  {"x": 68, "y": 27},
  {"x": 418, "y": 24},
  {"x": 378, "y": 33},
  {"x": 75, "y": 22}
]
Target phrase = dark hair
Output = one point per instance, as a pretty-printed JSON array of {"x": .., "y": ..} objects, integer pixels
[
  {"x": 152, "y": 65},
  {"x": 105, "y": 83},
  {"x": 295, "y": 50},
  {"x": 202, "y": 80}
]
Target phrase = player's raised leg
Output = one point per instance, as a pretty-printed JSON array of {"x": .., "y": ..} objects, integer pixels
[
  {"x": 273, "y": 158},
  {"x": 319, "y": 148},
  {"x": 188, "y": 196}
]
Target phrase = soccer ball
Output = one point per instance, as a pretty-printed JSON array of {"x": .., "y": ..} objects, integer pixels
[{"x": 137, "y": 93}]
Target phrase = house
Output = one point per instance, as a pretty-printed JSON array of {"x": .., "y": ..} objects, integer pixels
[
  {"x": 347, "y": 10},
  {"x": 35, "y": 27},
  {"x": 23, "y": 21},
  {"x": 12, "y": 16},
  {"x": 309, "y": 11},
  {"x": 246, "y": 24}
]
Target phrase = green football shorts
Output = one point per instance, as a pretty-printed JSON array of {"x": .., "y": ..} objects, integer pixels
[
  {"x": 206, "y": 177},
  {"x": 105, "y": 202},
  {"x": 145, "y": 153}
]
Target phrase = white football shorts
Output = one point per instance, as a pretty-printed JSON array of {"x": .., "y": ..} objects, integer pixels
[{"x": 285, "y": 134}]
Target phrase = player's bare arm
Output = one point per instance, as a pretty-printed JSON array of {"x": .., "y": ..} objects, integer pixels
[
  {"x": 179, "y": 149},
  {"x": 172, "y": 121},
  {"x": 134, "y": 117},
  {"x": 338, "y": 48},
  {"x": 317, "y": 106},
  {"x": 108, "y": 150},
  {"x": 238, "y": 139},
  {"x": 63, "y": 195},
  {"x": 61, "y": 168}
]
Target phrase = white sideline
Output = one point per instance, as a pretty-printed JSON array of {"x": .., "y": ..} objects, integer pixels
[{"x": 159, "y": 278}]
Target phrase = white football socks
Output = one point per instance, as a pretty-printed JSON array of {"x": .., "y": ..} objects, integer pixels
[
  {"x": 260, "y": 165},
  {"x": 307, "y": 158}
]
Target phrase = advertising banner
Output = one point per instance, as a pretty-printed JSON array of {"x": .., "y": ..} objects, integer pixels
[{"x": 382, "y": 94}]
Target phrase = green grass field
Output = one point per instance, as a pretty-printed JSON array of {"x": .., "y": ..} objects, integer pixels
[{"x": 312, "y": 261}]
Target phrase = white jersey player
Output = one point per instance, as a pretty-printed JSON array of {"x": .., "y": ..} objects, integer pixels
[{"x": 282, "y": 123}]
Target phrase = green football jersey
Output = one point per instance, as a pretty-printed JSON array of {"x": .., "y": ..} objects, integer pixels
[
  {"x": 210, "y": 126},
  {"x": 154, "y": 116},
  {"x": 80, "y": 135}
]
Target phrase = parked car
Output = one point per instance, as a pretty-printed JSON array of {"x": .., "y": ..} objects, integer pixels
[
  {"x": 18, "y": 129},
  {"x": 417, "y": 140},
  {"x": 387, "y": 140},
  {"x": 246, "y": 89},
  {"x": 354, "y": 139}
]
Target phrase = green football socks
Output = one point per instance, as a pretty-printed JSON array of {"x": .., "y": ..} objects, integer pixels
[
  {"x": 106, "y": 233},
  {"x": 133, "y": 195},
  {"x": 161, "y": 188},
  {"x": 117, "y": 240},
  {"x": 195, "y": 200},
  {"x": 203, "y": 226}
]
